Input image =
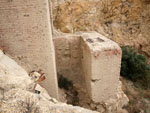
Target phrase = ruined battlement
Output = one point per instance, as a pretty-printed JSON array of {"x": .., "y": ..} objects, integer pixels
[{"x": 88, "y": 59}]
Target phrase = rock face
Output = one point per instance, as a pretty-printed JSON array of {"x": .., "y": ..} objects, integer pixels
[
  {"x": 124, "y": 21},
  {"x": 12, "y": 75},
  {"x": 22, "y": 101},
  {"x": 17, "y": 96}
]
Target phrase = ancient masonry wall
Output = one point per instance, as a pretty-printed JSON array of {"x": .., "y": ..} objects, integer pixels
[
  {"x": 25, "y": 34},
  {"x": 90, "y": 60},
  {"x": 69, "y": 57}
]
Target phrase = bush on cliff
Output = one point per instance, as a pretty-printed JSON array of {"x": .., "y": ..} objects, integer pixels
[{"x": 134, "y": 67}]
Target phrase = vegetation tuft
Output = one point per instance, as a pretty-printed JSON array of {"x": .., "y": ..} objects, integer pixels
[
  {"x": 70, "y": 91},
  {"x": 64, "y": 83},
  {"x": 134, "y": 67}
]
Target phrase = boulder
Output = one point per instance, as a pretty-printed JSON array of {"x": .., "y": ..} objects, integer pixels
[{"x": 12, "y": 75}]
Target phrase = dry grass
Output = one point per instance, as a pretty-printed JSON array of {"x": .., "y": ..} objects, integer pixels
[{"x": 139, "y": 98}]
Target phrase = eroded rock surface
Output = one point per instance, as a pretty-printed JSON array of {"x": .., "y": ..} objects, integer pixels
[
  {"x": 17, "y": 93},
  {"x": 22, "y": 101},
  {"x": 12, "y": 75},
  {"x": 124, "y": 21}
]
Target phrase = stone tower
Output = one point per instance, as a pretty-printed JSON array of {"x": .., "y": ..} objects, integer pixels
[{"x": 25, "y": 34}]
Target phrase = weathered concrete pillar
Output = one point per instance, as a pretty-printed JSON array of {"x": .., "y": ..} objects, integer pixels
[
  {"x": 25, "y": 34},
  {"x": 101, "y": 66}
]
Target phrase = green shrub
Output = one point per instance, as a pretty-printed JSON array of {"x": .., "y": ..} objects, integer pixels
[
  {"x": 134, "y": 66},
  {"x": 64, "y": 83}
]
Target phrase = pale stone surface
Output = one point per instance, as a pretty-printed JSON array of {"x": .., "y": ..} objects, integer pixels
[
  {"x": 101, "y": 66},
  {"x": 22, "y": 101},
  {"x": 12, "y": 75},
  {"x": 25, "y": 34},
  {"x": 69, "y": 56},
  {"x": 95, "y": 63},
  {"x": 17, "y": 96},
  {"x": 102, "y": 79},
  {"x": 115, "y": 104}
]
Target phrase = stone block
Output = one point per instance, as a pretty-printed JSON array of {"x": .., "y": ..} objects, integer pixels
[{"x": 101, "y": 66}]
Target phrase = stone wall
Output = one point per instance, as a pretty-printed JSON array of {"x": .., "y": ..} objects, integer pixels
[
  {"x": 69, "y": 56},
  {"x": 25, "y": 34},
  {"x": 92, "y": 61}
]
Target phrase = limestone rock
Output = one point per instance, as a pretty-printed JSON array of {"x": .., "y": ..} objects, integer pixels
[
  {"x": 22, "y": 101},
  {"x": 120, "y": 20},
  {"x": 115, "y": 105},
  {"x": 12, "y": 75},
  {"x": 17, "y": 95}
]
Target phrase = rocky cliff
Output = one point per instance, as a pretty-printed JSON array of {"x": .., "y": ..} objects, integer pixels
[{"x": 124, "y": 21}]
